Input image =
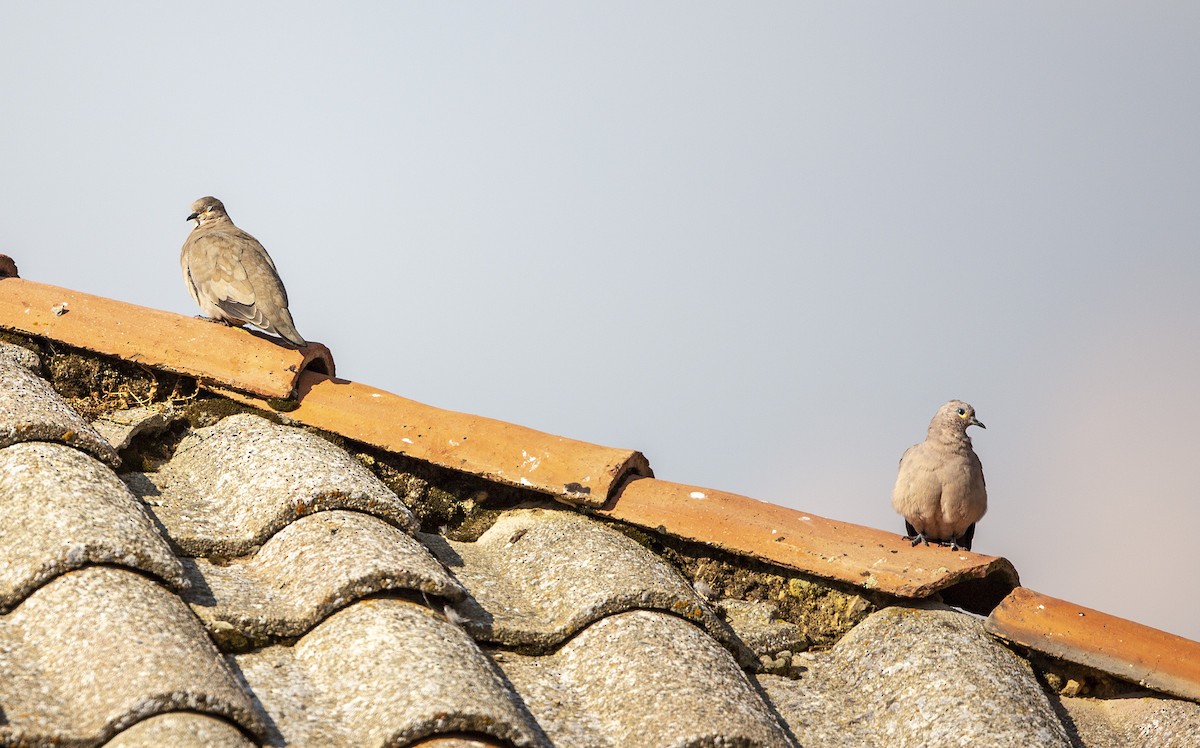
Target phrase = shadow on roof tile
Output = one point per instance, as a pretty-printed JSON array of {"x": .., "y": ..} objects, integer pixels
[
  {"x": 539, "y": 576},
  {"x": 312, "y": 567},
  {"x": 120, "y": 427},
  {"x": 31, "y": 411},
  {"x": 136, "y": 647},
  {"x": 231, "y": 486},
  {"x": 60, "y": 510},
  {"x": 384, "y": 672},
  {"x": 181, "y": 730},
  {"x": 643, "y": 678}
]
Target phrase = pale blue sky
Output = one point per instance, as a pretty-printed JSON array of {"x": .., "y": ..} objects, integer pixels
[{"x": 760, "y": 242}]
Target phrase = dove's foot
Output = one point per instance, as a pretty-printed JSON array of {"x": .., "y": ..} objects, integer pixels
[{"x": 917, "y": 538}]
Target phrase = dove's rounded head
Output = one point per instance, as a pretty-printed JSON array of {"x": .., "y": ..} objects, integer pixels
[
  {"x": 206, "y": 209},
  {"x": 955, "y": 415}
]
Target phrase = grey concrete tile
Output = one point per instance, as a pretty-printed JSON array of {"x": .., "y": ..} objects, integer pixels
[
  {"x": 917, "y": 677},
  {"x": 120, "y": 427},
  {"x": 538, "y": 576},
  {"x": 181, "y": 730},
  {"x": 21, "y": 356},
  {"x": 99, "y": 649},
  {"x": 1135, "y": 722},
  {"x": 231, "y": 486},
  {"x": 312, "y": 567},
  {"x": 31, "y": 411},
  {"x": 643, "y": 678},
  {"x": 383, "y": 672},
  {"x": 61, "y": 510}
]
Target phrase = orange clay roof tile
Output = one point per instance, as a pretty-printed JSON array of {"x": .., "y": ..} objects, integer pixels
[
  {"x": 853, "y": 554},
  {"x": 572, "y": 471},
  {"x": 241, "y": 360},
  {"x": 1128, "y": 650}
]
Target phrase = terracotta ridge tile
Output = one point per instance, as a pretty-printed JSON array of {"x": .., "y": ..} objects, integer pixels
[
  {"x": 235, "y": 358},
  {"x": 571, "y": 471},
  {"x": 1130, "y": 651},
  {"x": 861, "y": 556}
]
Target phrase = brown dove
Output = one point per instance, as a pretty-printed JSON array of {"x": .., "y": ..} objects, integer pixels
[
  {"x": 940, "y": 489},
  {"x": 231, "y": 276}
]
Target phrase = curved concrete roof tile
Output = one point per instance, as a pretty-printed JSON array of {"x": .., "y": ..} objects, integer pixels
[
  {"x": 385, "y": 672},
  {"x": 30, "y": 410},
  {"x": 137, "y": 647},
  {"x": 643, "y": 678},
  {"x": 311, "y": 568},
  {"x": 181, "y": 730},
  {"x": 21, "y": 356},
  {"x": 917, "y": 677},
  {"x": 61, "y": 510},
  {"x": 231, "y": 486},
  {"x": 539, "y": 576}
]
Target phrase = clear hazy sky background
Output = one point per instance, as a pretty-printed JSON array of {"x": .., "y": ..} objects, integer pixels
[{"x": 761, "y": 242}]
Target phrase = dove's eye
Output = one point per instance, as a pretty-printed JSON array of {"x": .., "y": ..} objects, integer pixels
[{"x": 962, "y": 412}]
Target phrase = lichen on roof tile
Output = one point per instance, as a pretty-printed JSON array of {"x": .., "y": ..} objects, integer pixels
[
  {"x": 314, "y": 566},
  {"x": 917, "y": 677},
  {"x": 60, "y": 510},
  {"x": 538, "y": 576},
  {"x": 643, "y": 678},
  {"x": 231, "y": 486},
  {"x": 31, "y": 411},
  {"x": 392, "y": 672},
  {"x": 181, "y": 730},
  {"x": 99, "y": 649}
]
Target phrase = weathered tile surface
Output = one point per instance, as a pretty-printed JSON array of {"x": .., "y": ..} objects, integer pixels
[
  {"x": 915, "y": 677},
  {"x": 383, "y": 670},
  {"x": 231, "y": 486},
  {"x": 119, "y": 428},
  {"x": 61, "y": 509},
  {"x": 31, "y": 411},
  {"x": 312, "y": 567},
  {"x": 1134, "y": 722},
  {"x": 181, "y": 730},
  {"x": 99, "y": 649},
  {"x": 643, "y": 678},
  {"x": 21, "y": 356},
  {"x": 538, "y": 576}
]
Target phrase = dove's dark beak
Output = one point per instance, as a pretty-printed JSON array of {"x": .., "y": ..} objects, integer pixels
[
  {"x": 976, "y": 422},
  {"x": 193, "y": 216}
]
